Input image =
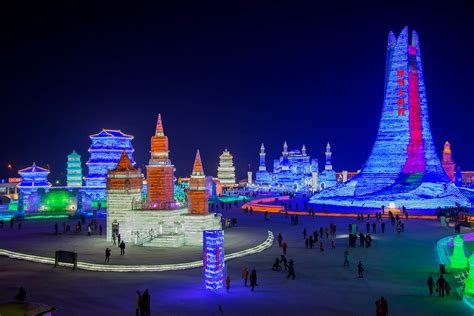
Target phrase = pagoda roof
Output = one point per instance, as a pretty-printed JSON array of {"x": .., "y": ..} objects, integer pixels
[
  {"x": 111, "y": 133},
  {"x": 197, "y": 167},
  {"x": 124, "y": 163},
  {"x": 74, "y": 154},
  {"x": 33, "y": 169}
]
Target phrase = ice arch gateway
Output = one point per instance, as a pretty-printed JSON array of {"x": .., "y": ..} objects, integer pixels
[{"x": 403, "y": 166}]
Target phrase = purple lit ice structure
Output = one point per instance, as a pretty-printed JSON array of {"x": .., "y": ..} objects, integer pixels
[{"x": 213, "y": 259}]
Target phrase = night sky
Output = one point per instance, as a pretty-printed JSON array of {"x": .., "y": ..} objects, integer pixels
[{"x": 222, "y": 76}]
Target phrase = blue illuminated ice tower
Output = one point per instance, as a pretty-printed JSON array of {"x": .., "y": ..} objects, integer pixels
[
  {"x": 262, "y": 177},
  {"x": 105, "y": 151},
  {"x": 403, "y": 166},
  {"x": 74, "y": 170},
  {"x": 327, "y": 178},
  {"x": 32, "y": 179}
]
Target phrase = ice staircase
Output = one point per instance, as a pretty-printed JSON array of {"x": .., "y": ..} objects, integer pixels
[{"x": 166, "y": 241}]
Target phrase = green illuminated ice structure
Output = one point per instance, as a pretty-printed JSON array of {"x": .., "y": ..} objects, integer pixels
[
  {"x": 469, "y": 281},
  {"x": 458, "y": 259}
]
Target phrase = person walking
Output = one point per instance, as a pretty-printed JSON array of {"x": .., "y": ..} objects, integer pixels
[
  {"x": 305, "y": 232},
  {"x": 367, "y": 226},
  {"x": 430, "y": 284},
  {"x": 146, "y": 303},
  {"x": 440, "y": 285},
  {"x": 107, "y": 254},
  {"x": 374, "y": 227},
  {"x": 284, "y": 246},
  {"x": 321, "y": 232},
  {"x": 56, "y": 228},
  {"x": 114, "y": 238},
  {"x": 245, "y": 275},
  {"x": 346, "y": 258},
  {"x": 89, "y": 230},
  {"x": 122, "y": 248},
  {"x": 362, "y": 239},
  {"x": 383, "y": 227},
  {"x": 138, "y": 302},
  {"x": 360, "y": 269},
  {"x": 100, "y": 229},
  {"x": 227, "y": 283},
  {"x": 381, "y": 307},
  {"x": 253, "y": 279},
  {"x": 311, "y": 242},
  {"x": 291, "y": 270},
  {"x": 306, "y": 242},
  {"x": 280, "y": 239},
  {"x": 327, "y": 232},
  {"x": 119, "y": 239}
]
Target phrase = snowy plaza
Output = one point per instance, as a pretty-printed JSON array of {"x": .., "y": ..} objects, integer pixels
[{"x": 396, "y": 267}]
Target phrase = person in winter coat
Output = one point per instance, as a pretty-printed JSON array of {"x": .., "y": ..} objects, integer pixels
[
  {"x": 291, "y": 270},
  {"x": 430, "y": 284},
  {"x": 253, "y": 279},
  {"x": 280, "y": 239},
  {"x": 381, "y": 307},
  {"x": 138, "y": 302},
  {"x": 346, "y": 258},
  {"x": 360, "y": 269},
  {"x": 122, "y": 248},
  {"x": 107, "y": 254},
  {"x": 440, "y": 285},
  {"x": 245, "y": 275},
  {"x": 227, "y": 283}
]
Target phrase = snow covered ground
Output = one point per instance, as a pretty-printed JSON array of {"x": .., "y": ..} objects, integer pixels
[{"x": 396, "y": 267}]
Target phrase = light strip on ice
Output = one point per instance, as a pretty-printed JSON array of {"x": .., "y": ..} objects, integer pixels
[{"x": 138, "y": 268}]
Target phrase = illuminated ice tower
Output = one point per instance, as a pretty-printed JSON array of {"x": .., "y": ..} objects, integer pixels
[
  {"x": 226, "y": 170},
  {"x": 448, "y": 163},
  {"x": 105, "y": 151},
  {"x": 160, "y": 179},
  {"x": 262, "y": 177},
  {"x": 402, "y": 167},
  {"x": 327, "y": 178},
  {"x": 124, "y": 187},
  {"x": 197, "y": 193},
  {"x": 32, "y": 179},
  {"x": 74, "y": 170}
]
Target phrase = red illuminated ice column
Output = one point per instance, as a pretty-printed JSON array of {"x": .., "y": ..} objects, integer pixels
[
  {"x": 160, "y": 170},
  {"x": 197, "y": 193}
]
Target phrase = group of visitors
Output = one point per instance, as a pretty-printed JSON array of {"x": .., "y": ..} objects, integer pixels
[
  {"x": 442, "y": 286},
  {"x": 246, "y": 276},
  {"x": 289, "y": 266},
  {"x": 143, "y": 303},
  {"x": 12, "y": 223}
]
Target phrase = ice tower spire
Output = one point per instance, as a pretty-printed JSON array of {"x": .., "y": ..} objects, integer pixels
[{"x": 262, "y": 165}]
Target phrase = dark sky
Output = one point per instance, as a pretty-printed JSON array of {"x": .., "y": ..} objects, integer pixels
[{"x": 222, "y": 76}]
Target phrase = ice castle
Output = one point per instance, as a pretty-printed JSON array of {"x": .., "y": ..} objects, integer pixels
[
  {"x": 295, "y": 171},
  {"x": 403, "y": 166}
]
